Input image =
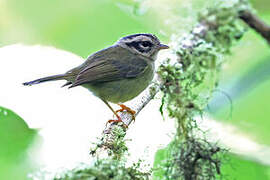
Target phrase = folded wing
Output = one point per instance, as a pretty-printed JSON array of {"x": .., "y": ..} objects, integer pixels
[{"x": 111, "y": 69}]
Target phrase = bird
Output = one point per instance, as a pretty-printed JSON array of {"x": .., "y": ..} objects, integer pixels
[{"x": 117, "y": 73}]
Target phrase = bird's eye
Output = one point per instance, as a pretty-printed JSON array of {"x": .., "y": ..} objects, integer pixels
[{"x": 146, "y": 44}]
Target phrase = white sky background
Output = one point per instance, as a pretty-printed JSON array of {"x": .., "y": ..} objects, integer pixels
[{"x": 70, "y": 119}]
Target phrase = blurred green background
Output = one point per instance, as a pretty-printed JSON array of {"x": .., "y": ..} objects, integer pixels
[{"x": 85, "y": 26}]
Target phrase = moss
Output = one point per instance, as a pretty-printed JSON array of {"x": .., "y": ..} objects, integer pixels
[
  {"x": 102, "y": 169},
  {"x": 117, "y": 148},
  {"x": 113, "y": 142},
  {"x": 189, "y": 86},
  {"x": 105, "y": 169},
  {"x": 192, "y": 159}
]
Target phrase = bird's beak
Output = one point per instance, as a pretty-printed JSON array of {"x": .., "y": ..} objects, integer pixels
[{"x": 163, "y": 46}]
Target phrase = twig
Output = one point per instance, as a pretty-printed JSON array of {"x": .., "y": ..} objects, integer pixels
[{"x": 257, "y": 24}]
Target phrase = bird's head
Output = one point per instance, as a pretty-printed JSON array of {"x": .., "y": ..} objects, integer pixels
[{"x": 147, "y": 45}]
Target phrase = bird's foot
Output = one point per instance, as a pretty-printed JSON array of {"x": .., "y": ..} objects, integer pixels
[
  {"x": 129, "y": 110},
  {"x": 118, "y": 120}
]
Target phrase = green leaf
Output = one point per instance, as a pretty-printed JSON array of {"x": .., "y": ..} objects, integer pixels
[{"x": 15, "y": 139}]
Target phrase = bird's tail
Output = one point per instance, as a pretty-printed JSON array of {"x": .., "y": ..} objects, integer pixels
[{"x": 45, "y": 79}]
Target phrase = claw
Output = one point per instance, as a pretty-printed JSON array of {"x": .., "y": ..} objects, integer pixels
[
  {"x": 117, "y": 121},
  {"x": 125, "y": 108}
]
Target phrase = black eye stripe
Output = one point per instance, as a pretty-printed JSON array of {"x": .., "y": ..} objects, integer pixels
[
  {"x": 138, "y": 45},
  {"x": 146, "y": 43}
]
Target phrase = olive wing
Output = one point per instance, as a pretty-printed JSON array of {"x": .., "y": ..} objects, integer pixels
[{"x": 111, "y": 69}]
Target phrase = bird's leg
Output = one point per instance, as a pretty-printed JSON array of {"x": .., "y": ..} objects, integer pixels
[
  {"x": 125, "y": 108},
  {"x": 115, "y": 113}
]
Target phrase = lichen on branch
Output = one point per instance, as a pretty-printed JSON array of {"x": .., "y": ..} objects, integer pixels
[{"x": 189, "y": 84}]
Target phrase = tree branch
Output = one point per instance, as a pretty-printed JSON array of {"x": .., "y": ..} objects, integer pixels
[{"x": 256, "y": 23}]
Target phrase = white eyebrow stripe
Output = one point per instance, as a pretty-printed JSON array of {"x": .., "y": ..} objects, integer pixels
[{"x": 138, "y": 38}]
